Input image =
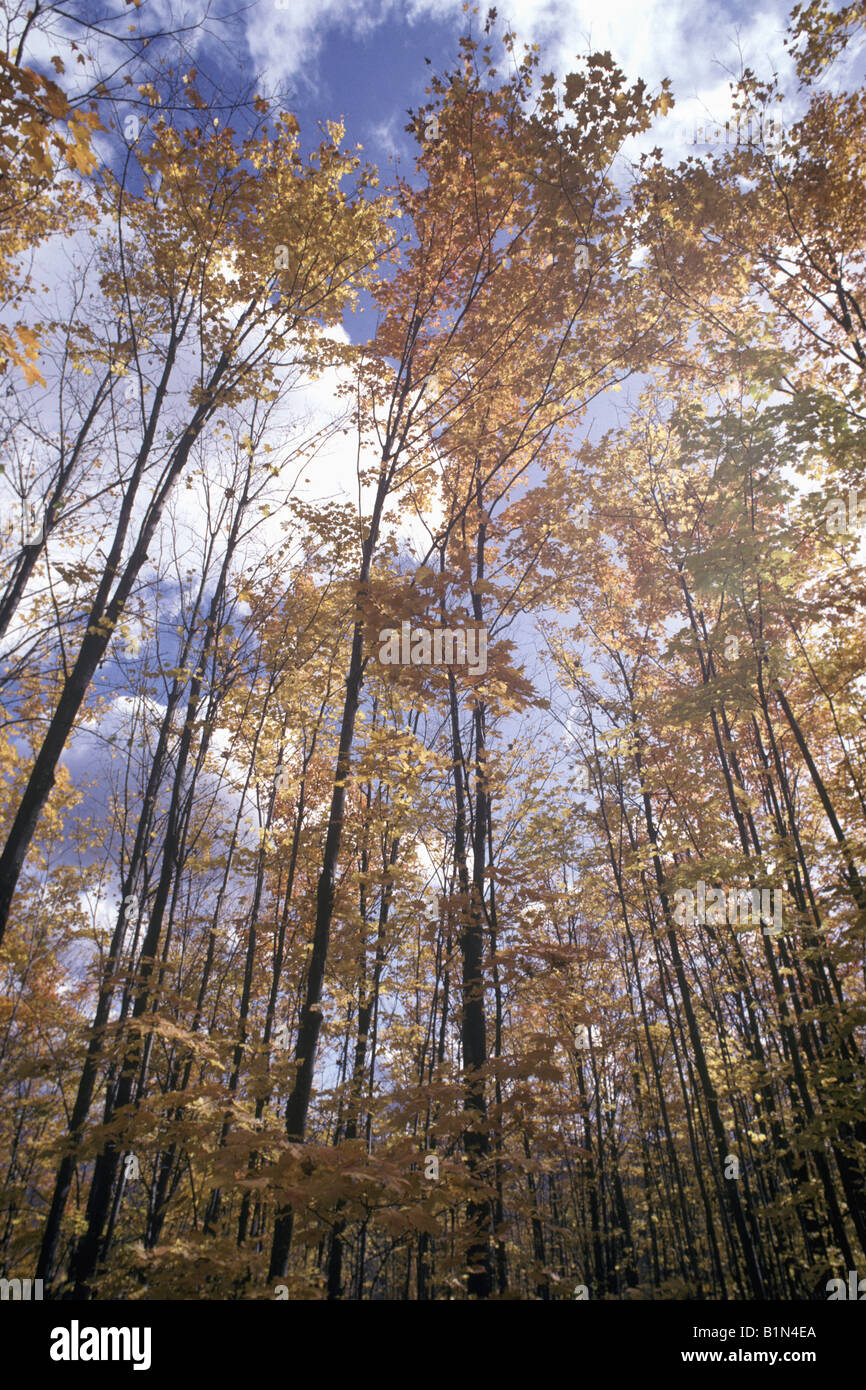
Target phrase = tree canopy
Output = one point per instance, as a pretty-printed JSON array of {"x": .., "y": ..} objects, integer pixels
[{"x": 337, "y": 977}]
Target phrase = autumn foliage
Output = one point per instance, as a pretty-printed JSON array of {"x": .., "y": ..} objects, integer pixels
[{"x": 324, "y": 978}]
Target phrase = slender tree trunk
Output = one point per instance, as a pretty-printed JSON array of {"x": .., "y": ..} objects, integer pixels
[
  {"x": 298, "y": 1104},
  {"x": 103, "y": 619}
]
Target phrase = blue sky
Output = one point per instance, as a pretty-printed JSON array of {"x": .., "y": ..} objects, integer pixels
[
  {"x": 363, "y": 60},
  {"x": 366, "y": 59}
]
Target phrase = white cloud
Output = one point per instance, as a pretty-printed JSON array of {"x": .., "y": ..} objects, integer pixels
[
  {"x": 689, "y": 43},
  {"x": 700, "y": 47},
  {"x": 285, "y": 37}
]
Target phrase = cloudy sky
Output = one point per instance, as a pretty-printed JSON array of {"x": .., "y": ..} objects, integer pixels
[{"x": 364, "y": 59}]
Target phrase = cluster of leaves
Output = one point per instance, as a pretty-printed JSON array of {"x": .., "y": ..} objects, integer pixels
[{"x": 283, "y": 924}]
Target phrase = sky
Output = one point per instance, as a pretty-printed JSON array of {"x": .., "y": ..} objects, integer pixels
[{"x": 364, "y": 61}]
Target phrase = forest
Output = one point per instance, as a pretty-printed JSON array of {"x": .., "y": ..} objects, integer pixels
[{"x": 449, "y": 884}]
